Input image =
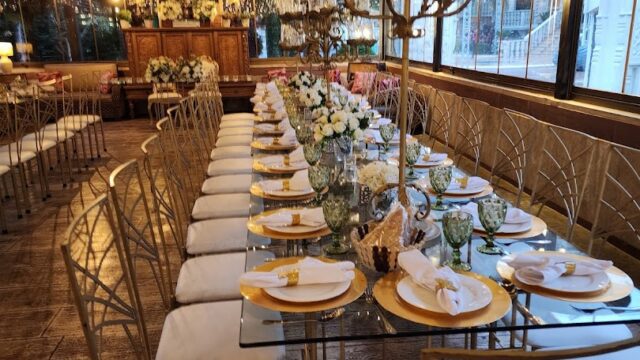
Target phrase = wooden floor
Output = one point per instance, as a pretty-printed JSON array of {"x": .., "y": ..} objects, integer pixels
[{"x": 37, "y": 316}]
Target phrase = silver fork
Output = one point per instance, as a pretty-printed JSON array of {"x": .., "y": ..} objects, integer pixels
[
  {"x": 615, "y": 308},
  {"x": 336, "y": 313},
  {"x": 386, "y": 325}
]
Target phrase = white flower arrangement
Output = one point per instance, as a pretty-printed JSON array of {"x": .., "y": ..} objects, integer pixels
[
  {"x": 169, "y": 10},
  {"x": 302, "y": 80},
  {"x": 313, "y": 96},
  {"x": 205, "y": 9},
  {"x": 193, "y": 69},
  {"x": 378, "y": 174},
  {"x": 335, "y": 123},
  {"x": 160, "y": 70}
]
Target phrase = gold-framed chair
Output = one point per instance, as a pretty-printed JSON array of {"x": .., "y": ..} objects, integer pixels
[
  {"x": 513, "y": 152},
  {"x": 562, "y": 173},
  {"x": 100, "y": 281},
  {"x": 163, "y": 96},
  {"x": 443, "y": 111},
  {"x": 419, "y": 114},
  {"x": 472, "y": 115},
  {"x": 617, "y": 212}
]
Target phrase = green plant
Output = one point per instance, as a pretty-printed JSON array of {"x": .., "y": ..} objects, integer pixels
[{"x": 124, "y": 14}]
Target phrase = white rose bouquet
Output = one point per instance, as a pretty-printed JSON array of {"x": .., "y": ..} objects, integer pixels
[
  {"x": 169, "y": 10},
  {"x": 160, "y": 70},
  {"x": 335, "y": 123},
  {"x": 302, "y": 80},
  {"x": 378, "y": 174},
  {"x": 205, "y": 9},
  {"x": 313, "y": 97}
]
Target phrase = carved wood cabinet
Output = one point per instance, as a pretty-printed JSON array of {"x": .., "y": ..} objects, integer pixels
[{"x": 227, "y": 46}]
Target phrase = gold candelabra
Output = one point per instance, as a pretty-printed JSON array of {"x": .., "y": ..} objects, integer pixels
[{"x": 402, "y": 27}]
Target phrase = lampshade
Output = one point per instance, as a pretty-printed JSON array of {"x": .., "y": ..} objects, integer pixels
[{"x": 6, "y": 49}]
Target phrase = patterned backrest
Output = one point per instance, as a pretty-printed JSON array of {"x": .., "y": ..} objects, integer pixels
[{"x": 469, "y": 128}]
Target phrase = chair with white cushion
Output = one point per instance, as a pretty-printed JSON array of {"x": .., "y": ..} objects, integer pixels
[
  {"x": 230, "y": 167},
  {"x": 163, "y": 96},
  {"x": 231, "y": 152},
  {"x": 227, "y": 184}
]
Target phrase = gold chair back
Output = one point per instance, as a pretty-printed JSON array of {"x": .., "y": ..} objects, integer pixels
[
  {"x": 472, "y": 114},
  {"x": 442, "y": 115}
]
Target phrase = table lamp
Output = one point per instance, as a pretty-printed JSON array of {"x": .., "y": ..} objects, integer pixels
[{"x": 6, "y": 50}]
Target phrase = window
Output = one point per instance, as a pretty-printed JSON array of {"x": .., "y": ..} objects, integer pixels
[
  {"x": 514, "y": 38},
  {"x": 420, "y": 49},
  {"x": 78, "y": 30},
  {"x": 606, "y": 60}
]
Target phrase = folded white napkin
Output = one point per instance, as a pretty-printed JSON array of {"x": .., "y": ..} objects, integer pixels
[
  {"x": 426, "y": 275},
  {"x": 280, "y": 114},
  {"x": 513, "y": 216},
  {"x": 374, "y": 136},
  {"x": 310, "y": 271},
  {"x": 261, "y": 86},
  {"x": 273, "y": 99},
  {"x": 296, "y": 156},
  {"x": 537, "y": 269},
  {"x": 308, "y": 217},
  {"x": 256, "y": 99},
  {"x": 474, "y": 182},
  {"x": 266, "y": 127},
  {"x": 271, "y": 87},
  {"x": 299, "y": 182},
  {"x": 376, "y": 123},
  {"x": 278, "y": 105},
  {"x": 433, "y": 158}
]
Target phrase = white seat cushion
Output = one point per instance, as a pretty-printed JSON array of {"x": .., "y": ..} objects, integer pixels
[
  {"x": 5, "y": 169},
  {"x": 236, "y": 124},
  {"x": 240, "y": 117},
  {"x": 50, "y": 132},
  {"x": 10, "y": 156},
  {"x": 234, "y": 140},
  {"x": 230, "y": 167},
  {"x": 212, "y": 330},
  {"x": 235, "y": 131},
  {"x": 210, "y": 278},
  {"x": 221, "y": 206},
  {"x": 631, "y": 353},
  {"x": 166, "y": 95},
  {"x": 217, "y": 235},
  {"x": 231, "y": 152},
  {"x": 580, "y": 336},
  {"x": 227, "y": 184},
  {"x": 33, "y": 145},
  {"x": 86, "y": 118}
]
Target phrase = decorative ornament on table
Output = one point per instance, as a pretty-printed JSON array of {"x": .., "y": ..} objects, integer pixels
[{"x": 160, "y": 70}]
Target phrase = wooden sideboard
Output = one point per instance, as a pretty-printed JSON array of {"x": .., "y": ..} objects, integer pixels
[{"x": 229, "y": 47}]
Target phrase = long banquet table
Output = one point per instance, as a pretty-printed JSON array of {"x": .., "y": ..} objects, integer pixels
[{"x": 362, "y": 320}]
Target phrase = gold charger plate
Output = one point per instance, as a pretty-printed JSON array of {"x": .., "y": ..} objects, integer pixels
[
  {"x": 270, "y": 120},
  {"x": 259, "y": 297},
  {"x": 538, "y": 226},
  {"x": 263, "y": 231},
  {"x": 447, "y": 162},
  {"x": 262, "y": 146},
  {"x": 259, "y": 167},
  {"x": 620, "y": 286},
  {"x": 257, "y": 191},
  {"x": 385, "y": 293},
  {"x": 488, "y": 190},
  {"x": 261, "y": 133}
]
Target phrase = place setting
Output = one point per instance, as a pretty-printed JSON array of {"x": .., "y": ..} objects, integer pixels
[
  {"x": 565, "y": 276},
  {"x": 287, "y": 141},
  {"x": 290, "y": 223},
  {"x": 281, "y": 164},
  {"x": 303, "y": 285},
  {"x": 296, "y": 188},
  {"x": 271, "y": 129}
]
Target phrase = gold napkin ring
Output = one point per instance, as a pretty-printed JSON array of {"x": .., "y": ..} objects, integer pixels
[
  {"x": 295, "y": 219},
  {"x": 463, "y": 181},
  {"x": 287, "y": 161},
  {"x": 275, "y": 141},
  {"x": 570, "y": 268},
  {"x": 285, "y": 185},
  {"x": 426, "y": 157},
  {"x": 445, "y": 284},
  {"x": 291, "y": 275}
]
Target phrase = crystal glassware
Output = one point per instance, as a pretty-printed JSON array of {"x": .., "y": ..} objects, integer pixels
[
  {"x": 304, "y": 132},
  {"x": 336, "y": 211},
  {"x": 387, "y": 132},
  {"x": 411, "y": 156},
  {"x": 294, "y": 119},
  {"x": 457, "y": 227},
  {"x": 440, "y": 178},
  {"x": 491, "y": 213},
  {"x": 312, "y": 152},
  {"x": 319, "y": 179}
]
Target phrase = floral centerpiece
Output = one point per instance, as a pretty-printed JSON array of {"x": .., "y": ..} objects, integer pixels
[
  {"x": 168, "y": 11},
  {"x": 160, "y": 70},
  {"x": 189, "y": 70},
  {"x": 378, "y": 174},
  {"x": 302, "y": 80},
  {"x": 336, "y": 123},
  {"x": 205, "y": 11}
]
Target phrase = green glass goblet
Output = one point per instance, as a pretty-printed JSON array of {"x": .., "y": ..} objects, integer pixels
[
  {"x": 304, "y": 132},
  {"x": 491, "y": 213},
  {"x": 457, "y": 227},
  {"x": 440, "y": 179},
  {"x": 387, "y": 132},
  {"x": 319, "y": 179},
  {"x": 336, "y": 211},
  {"x": 411, "y": 156},
  {"x": 312, "y": 152}
]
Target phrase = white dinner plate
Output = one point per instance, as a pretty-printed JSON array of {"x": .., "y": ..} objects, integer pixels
[
  {"x": 574, "y": 283},
  {"x": 475, "y": 294},
  {"x": 298, "y": 229},
  {"x": 506, "y": 228},
  {"x": 292, "y": 166},
  {"x": 289, "y": 193},
  {"x": 466, "y": 191},
  {"x": 307, "y": 293}
]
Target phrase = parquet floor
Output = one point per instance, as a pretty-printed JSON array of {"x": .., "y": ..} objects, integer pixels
[{"x": 37, "y": 316}]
